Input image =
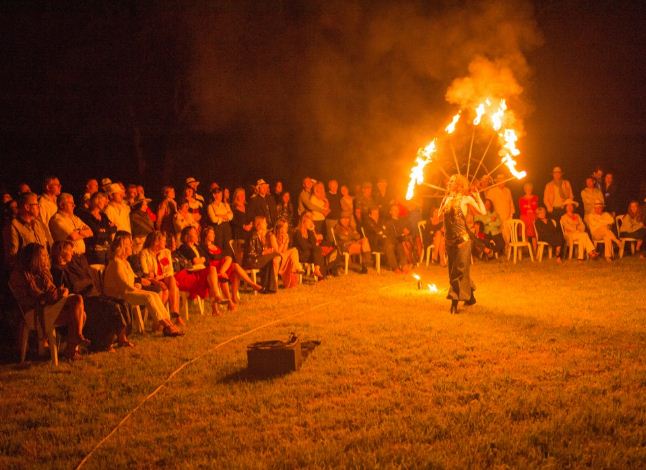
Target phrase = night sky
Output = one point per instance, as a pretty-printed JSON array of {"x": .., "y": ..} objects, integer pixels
[{"x": 234, "y": 91}]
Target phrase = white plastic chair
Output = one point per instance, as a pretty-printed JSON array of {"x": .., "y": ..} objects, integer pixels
[
  {"x": 28, "y": 324},
  {"x": 376, "y": 254},
  {"x": 540, "y": 246},
  {"x": 427, "y": 251},
  {"x": 346, "y": 255},
  {"x": 619, "y": 220},
  {"x": 571, "y": 243},
  {"x": 516, "y": 244}
]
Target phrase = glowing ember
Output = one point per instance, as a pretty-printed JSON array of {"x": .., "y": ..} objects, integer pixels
[
  {"x": 416, "y": 276},
  {"x": 432, "y": 288}
]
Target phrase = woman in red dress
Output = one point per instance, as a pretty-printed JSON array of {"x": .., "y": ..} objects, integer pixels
[{"x": 528, "y": 204}]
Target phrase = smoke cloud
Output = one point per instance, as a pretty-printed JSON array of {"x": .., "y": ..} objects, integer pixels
[{"x": 349, "y": 88}]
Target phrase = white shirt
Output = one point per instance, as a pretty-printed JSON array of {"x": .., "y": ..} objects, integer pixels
[
  {"x": 119, "y": 215},
  {"x": 62, "y": 226},
  {"x": 47, "y": 209},
  {"x": 220, "y": 212}
]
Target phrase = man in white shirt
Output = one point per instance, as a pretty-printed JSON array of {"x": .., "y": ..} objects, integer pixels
[
  {"x": 503, "y": 203},
  {"x": 118, "y": 211},
  {"x": 47, "y": 200},
  {"x": 64, "y": 225},
  {"x": 599, "y": 223},
  {"x": 590, "y": 195},
  {"x": 556, "y": 192}
]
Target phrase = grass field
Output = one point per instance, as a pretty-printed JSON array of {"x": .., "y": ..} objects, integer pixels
[{"x": 547, "y": 370}]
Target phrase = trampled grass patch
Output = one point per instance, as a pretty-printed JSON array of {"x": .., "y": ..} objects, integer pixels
[{"x": 547, "y": 370}]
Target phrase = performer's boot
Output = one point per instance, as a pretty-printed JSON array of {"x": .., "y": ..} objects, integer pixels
[
  {"x": 472, "y": 300},
  {"x": 454, "y": 306}
]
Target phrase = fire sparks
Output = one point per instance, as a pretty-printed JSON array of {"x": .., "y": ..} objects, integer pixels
[
  {"x": 432, "y": 288},
  {"x": 500, "y": 119}
]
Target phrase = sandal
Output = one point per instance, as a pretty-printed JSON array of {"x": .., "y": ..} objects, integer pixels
[{"x": 172, "y": 331}]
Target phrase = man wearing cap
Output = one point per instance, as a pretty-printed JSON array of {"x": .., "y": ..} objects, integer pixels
[
  {"x": 599, "y": 223},
  {"x": 503, "y": 203},
  {"x": 64, "y": 225},
  {"x": 262, "y": 204},
  {"x": 590, "y": 195},
  {"x": 556, "y": 192},
  {"x": 25, "y": 228},
  {"x": 118, "y": 211},
  {"x": 48, "y": 200},
  {"x": 193, "y": 183}
]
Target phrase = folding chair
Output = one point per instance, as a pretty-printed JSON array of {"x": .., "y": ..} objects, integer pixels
[
  {"x": 515, "y": 243},
  {"x": 571, "y": 244}
]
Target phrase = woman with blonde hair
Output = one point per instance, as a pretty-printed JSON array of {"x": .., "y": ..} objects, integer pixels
[
  {"x": 289, "y": 263},
  {"x": 455, "y": 207},
  {"x": 259, "y": 254},
  {"x": 119, "y": 281}
]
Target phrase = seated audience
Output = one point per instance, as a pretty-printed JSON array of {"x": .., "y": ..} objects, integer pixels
[
  {"x": 349, "y": 240},
  {"x": 98, "y": 245},
  {"x": 599, "y": 223},
  {"x": 119, "y": 281},
  {"x": 156, "y": 263},
  {"x": 307, "y": 242},
  {"x": 528, "y": 203},
  {"x": 260, "y": 254},
  {"x": 34, "y": 289},
  {"x": 375, "y": 232},
  {"x": 482, "y": 247},
  {"x": 197, "y": 277},
  {"x": 64, "y": 225},
  {"x": 26, "y": 228},
  {"x": 590, "y": 195},
  {"x": 574, "y": 230},
  {"x": 492, "y": 226},
  {"x": 107, "y": 318},
  {"x": 289, "y": 262},
  {"x": 141, "y": 223},
  {"x": 399, "y": 234},
  {"x": 285, "y": 208},
  {"x": 547, "y": 231},
  {"x": 632, "y": 225},
  {"x": 321, "y": 207}
]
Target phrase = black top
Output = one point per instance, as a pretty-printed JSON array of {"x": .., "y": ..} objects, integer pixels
[
  {"x": 264, "y": 206},
  {"x": 239, "y": 219},
  {"x": 103, "y": 230},
  {"x": 76, "y": 276},
  {"x": 335, "y": 206},
  {"x": 455, "y": 224},
  {"x": 140, "y": 223}
]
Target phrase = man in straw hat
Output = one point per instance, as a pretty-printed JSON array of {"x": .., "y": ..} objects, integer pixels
[
  {"x": 262, "y": 204},
  {"x": 599, "y": 223},
  {"x": 556, "y": 192}
]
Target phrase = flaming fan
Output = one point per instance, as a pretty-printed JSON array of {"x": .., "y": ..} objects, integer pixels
[{"x": 489, "y": 117}]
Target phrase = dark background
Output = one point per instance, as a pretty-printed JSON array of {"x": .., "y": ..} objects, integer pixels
[{"x": 232, "y": 91}]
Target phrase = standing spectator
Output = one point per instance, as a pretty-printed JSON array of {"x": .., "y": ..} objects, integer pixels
[
  {"x": 103, "y": 230},
  {"x": 26, "y": 228},
  {"x": 590, "y": 195},
  {"x": 305, "y": 195},
  {"x": 364, "y": 202},
  {"x": 610, "y": 194},
  {"x": 105, "y": 184},
  {"x": 117, "y": 210},
  {"x": 91, "y": 187},
  {"x": 131, "y": 194},
  {"x": 528, "y": 203},
  {"x": 597, "y": 174},
  {"x": 64, "y": 225},
  {"x": 382, "y": 198},
  {"x": 599, "y": 223},
  {"x": 278, "y": 192},
  {"x": 23, "y": 188},
  {"x": 503, "y": 203},
  {"x": 48, "y": 200},
  {"x": 547, "y": 231},
  {"x": 166, "y": 215},
  {"x": 285, "y": 208},
  {"x": 574, "y": 230},
  {"x": 220, "y": 216},
  {"x": 321, "y": 207},
  {"x": 347, "y": 204},
  {"x": 193, "y": 184},
  {"x": 334, "y": 203},
  {"x": 140, "y": 222},
  {"x": 262, "y": 204},
  {"x": 632, "y": 225},
  {"x": 184, "y": 218},
  {"x": 556, "y": 193},
  {"x": 194, "y": 206},
  {"x": 241, "y": 224}
]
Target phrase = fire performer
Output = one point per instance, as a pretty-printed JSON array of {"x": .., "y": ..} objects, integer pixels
[{"x": 454, "y": 208}]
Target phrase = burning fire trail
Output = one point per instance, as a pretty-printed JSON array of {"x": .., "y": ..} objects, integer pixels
[{"x": 500, "y": 120}]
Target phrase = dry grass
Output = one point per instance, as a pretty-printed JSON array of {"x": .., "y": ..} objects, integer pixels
[{"x": 547, "y": 370}]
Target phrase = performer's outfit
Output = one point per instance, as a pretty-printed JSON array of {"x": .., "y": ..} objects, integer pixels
[{"x": 458, "y": 248}]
